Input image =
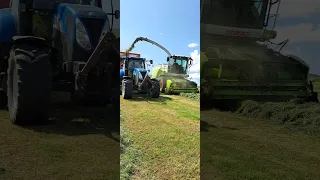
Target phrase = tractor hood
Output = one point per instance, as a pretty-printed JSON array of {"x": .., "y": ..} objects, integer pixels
[
  {"x": 78, "y": 10},
  {"x": 140, "y": 72}
]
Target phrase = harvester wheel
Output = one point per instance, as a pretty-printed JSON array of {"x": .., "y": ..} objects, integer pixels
[
  {"x": 155, "y": 90},
  {"x": 127, "y": 88},
  {"x": 29, "y": 85}
]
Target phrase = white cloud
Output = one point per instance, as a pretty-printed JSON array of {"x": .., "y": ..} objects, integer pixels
[
  {"x": 291, "y": 8},
  {"x": 160, "y": 33},
  {"x": 192, "y": 45},
  {"x": 195, "y": 68},
  {"x": 298, "y": 33},
  {"x": 194, "y": 71},
  {"x": 194, "y": 76}
]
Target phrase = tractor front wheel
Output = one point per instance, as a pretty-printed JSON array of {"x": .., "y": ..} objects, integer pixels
[
  {"x": 29, "y": 85},
  {"x": 155, "y": 90},
  {"x": 127, "y": 88}
]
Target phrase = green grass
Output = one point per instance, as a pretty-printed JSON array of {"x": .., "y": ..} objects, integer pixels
[
  {"x": 195, "y": 96},
  {"x": 238, "y": 147},
  {"x": 129, "y": 156},
  {"x": 293, "y": 114},
  {"x": 166, "y": 133},
  {"x": 79, "y": 143}
]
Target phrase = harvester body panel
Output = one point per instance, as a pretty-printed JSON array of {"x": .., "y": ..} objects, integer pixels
[{"x": 235, "y": 61}]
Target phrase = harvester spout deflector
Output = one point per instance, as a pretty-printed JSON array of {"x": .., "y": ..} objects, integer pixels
[{"x": 149, "y": 41}]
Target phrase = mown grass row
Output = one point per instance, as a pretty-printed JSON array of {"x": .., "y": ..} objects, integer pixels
[
  {"x": 293, "y": 114},
  {"x": 195, "y": 96},
  {"x": 129, "y": 156}
]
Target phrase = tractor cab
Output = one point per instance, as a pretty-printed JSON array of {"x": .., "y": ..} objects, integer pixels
[
  {"x": 178, "y": 64},
  {"x": 135, "y": 65}
]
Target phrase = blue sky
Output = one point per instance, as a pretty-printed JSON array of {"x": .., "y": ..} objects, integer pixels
[
  {"x": 299, "y": 22},
  {"x": 172, "y": 23}
]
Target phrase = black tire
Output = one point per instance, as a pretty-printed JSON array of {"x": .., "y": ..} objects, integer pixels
[
  {"x": 29, "y": 85},
  {"x": 3, "y": 100},
  {"x": 155, "y": 90},
  {"x": 127, "y": 88}
]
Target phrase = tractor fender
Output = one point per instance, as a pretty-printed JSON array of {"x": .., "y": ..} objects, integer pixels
[
  {"x": 7, "y": 26},
  {"x": 127, "y": 77},
  {"x": 32, "y": 40}
]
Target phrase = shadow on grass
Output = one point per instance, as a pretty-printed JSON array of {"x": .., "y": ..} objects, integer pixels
[
  {"x": 144, "y": 97},
  {"x": 69, "y": 119},
  {"x": 205, "y": 126}
]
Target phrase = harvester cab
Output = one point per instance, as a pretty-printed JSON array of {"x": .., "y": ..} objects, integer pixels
[
  {"x": 134, "y": 76},
  {"x": 64, "y": 45},
  {"x": 236, "y": 62},
  {"x": 179, "y": 64}
]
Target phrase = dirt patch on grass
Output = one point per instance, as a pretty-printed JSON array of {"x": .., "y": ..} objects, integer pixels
[{"x": 293, "y": 114}]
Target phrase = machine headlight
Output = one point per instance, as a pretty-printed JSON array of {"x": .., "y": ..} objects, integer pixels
[{"x": 82, "y": 36}]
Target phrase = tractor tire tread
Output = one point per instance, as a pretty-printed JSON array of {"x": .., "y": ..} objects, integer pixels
[
  {"x": 155, "y": 91},
  {"x": 127, "y": 89},
  {"x": 29, "y": 103}
]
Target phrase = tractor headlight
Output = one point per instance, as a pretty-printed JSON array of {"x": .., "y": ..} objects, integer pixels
[{"x": 82, "y": 35}]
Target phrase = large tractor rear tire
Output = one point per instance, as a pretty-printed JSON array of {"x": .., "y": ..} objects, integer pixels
[
  {"x": 29, "y": 85},
  {"x": 127, "y": 88},
  {"x": 155, "y": 90}
]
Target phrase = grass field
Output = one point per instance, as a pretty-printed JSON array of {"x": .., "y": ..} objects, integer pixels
[
  {"x": 79, "y": 143},
  {"x": 164, "y": 134},
  {"x": 238, "y": 147},
  {"x": 262, "y": 141}
]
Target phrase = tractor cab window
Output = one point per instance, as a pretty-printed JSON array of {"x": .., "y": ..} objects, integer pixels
[{"x": 136, "y": 64}]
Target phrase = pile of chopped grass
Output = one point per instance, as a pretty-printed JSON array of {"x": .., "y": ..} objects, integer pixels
[
  {"x": 293, "y": 114},
  {"x": 195, "y": 96}
]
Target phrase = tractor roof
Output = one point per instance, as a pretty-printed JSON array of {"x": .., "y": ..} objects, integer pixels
[{"x": 133, "y": 58}]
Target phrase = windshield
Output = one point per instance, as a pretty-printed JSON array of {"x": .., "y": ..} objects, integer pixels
[
  {"x": 179, "y": 65},
  {"x": 136, "y": 64},
  {"x": 234, "y": 13}
]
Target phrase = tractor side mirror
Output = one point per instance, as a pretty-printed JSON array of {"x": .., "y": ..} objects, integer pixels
[
  {"x": 167, "y": 59},
  {"x": 151, "y": 61},
  {"x": 117, "y": 14},
  {"x": 148, "y": 70}
]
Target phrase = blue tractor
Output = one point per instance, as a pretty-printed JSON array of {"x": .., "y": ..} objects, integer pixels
[
  {"x": 47, "y": 46},
  {"x": 134, "y": 76}
]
